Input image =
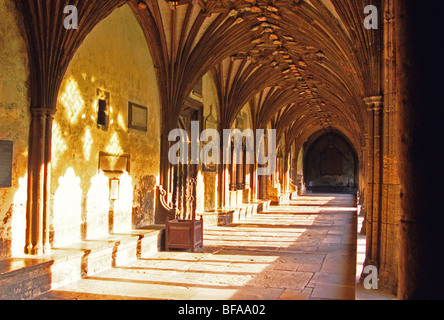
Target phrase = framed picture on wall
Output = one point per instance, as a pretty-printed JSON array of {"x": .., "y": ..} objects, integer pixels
[{"x": 137, "y": 117}]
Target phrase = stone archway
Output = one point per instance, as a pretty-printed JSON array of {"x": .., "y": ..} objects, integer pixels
[
  {"x": 331, "y": 165},
  {"x": 124, "y": 149}
]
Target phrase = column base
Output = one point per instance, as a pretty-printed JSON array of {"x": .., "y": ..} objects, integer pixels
[{"x": 38, "y": 250}]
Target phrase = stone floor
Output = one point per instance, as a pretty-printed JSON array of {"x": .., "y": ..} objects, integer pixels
[{"x": 303, "y": 250}]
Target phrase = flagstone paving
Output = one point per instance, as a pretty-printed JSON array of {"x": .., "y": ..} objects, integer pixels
[{"x": 299, "y": 251}]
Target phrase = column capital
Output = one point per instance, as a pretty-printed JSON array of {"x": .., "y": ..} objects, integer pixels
[
  {"x": 374, "y": 103},
  {"x": 50, "y": 113},
  {"x": 39, "y": 112},
  {"x": 42, "y": 112}
]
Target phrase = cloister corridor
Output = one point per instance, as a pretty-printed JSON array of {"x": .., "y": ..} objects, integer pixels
[{"x": 306, "y": 249}]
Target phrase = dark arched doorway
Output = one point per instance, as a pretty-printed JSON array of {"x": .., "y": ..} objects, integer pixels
[{"x": 330, "y": 164}]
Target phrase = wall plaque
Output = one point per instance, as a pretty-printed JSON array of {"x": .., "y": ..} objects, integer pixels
[
  {"x": 137, "y": 117},
  {"x": 114, "y": 163},
  {"x": 6, "y": 148}
]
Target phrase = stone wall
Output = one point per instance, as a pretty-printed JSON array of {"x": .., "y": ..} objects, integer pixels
[
  {"x": 113, "y": 64},
  {"x": 14, "y": 126}
]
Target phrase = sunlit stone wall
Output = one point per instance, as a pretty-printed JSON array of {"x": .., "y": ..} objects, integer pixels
[
  {"x": 115, "y": 59},
  {"x": 14, "y": 126}
]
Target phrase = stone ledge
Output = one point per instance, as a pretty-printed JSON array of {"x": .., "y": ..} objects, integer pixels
[
  {"x": 224, "y": 217},
  {"x": 28, "y": 277},
  {"x": 16, "y": 265},
  {"x": 217, "y": 217},
  {"x": 24, "y": 278}
]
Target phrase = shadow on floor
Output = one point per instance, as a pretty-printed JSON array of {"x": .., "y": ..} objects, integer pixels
[{"x": 270, "y": 256}]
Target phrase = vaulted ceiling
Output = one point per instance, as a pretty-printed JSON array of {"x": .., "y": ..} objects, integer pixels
[{"x": 304, "y": 65}]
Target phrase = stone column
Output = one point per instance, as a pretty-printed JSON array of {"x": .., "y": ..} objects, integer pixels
[
  {"x": 35, "y": 210},
  {"x": 240, "y": 171},
  {"x": 390, "y": 186},
  {"x": 221, "y": 183},
  {"x": 362, "y": 181},
  {"x": 164, "y": 163},
  {"x": 382, "y": 194},
  {"x": 287, "y": 170},
  {"x": 223, "y": 176},
  {"x": 255, "y": 182},
  {"x": 262, "y": 185},
  {"x": 175, "y": 173},
  {"x": 233, "y": 171},
  {"x": 373, "y": 176},
  {"x": 47, "y": 180}
]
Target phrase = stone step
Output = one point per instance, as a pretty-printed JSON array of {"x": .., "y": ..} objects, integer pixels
[{"x": 28, "y": 277}]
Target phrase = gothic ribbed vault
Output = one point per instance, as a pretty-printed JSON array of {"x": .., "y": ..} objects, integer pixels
[{"x": 313, "y": 59}]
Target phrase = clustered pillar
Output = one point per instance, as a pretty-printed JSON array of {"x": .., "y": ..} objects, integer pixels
[
  {"x": 373, "y": 176},
  {"x": 37, "y": 222}
]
